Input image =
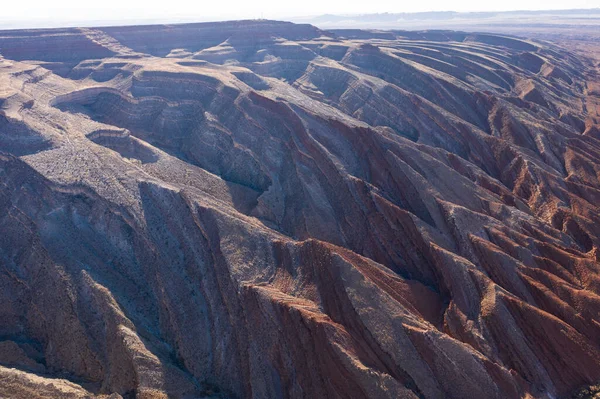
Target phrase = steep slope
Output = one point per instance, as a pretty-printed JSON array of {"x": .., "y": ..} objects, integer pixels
[{"x": 262, "y": 209}]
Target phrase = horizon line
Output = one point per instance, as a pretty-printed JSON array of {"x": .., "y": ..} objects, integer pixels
[{"x": 177, "y": 19}]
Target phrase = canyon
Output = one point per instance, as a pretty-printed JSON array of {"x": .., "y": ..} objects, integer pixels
[{"x": 261, "y": 209}]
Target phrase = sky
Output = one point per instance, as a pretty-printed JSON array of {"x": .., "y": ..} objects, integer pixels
[{"x": 127, "y": 10}]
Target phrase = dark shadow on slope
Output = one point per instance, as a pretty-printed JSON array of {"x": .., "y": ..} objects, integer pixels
[
  {"x": 129, "y": 147},
  {"x": 18, "y": 139}
]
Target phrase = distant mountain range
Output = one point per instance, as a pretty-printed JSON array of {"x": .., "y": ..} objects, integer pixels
[
  {"x": 584, "y": 23},
  {"x": 514, "y": 21}
]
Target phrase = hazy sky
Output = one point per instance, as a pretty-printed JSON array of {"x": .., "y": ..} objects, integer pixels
[{"x": 78, "y": 10}]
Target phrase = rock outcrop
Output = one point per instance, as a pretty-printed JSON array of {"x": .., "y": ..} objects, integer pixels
[{"x": 261, "y": 209}]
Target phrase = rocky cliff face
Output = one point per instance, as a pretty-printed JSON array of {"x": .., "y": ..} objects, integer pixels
[{"x": 261, "y": 209}]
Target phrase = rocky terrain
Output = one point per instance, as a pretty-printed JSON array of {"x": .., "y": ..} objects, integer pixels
[{"x": 259, "y": 209}]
